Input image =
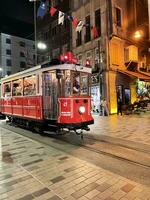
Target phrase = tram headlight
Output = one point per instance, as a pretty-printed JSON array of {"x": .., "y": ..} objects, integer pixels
[{"x": 81, "y": 109}]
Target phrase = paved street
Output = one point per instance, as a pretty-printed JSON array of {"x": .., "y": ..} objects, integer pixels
[
  {"x": 33, "y": 170},
  {"x": 135, "y": 128}
]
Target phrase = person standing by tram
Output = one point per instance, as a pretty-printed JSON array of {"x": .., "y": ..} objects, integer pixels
[{"x": 105, "y": 111}]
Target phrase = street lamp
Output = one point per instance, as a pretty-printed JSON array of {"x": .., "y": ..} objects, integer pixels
[
  {"x": 138, "y": 34},
  {"x": 41, "y": 46}
]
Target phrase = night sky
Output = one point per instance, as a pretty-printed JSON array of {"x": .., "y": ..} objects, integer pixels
[{"x": 16, "y": 17}]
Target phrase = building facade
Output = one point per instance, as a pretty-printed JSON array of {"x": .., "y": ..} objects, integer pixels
[
  {"x": 16, "y": 54},
  {"x": 120, "y": 55},
  {"x": 56, "y": 37}
]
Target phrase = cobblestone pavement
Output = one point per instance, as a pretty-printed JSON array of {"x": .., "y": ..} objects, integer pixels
[
  {"x": 30, "y": 170},
  {"x": 129, "y": 127}
]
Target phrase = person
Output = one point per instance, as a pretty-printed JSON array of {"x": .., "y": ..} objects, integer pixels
[
  {"x": 119, "y": 106},
  {"x": 105, "y": 111}
]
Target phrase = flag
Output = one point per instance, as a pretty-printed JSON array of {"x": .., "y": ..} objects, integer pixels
[
  {"x": 75, "y": 22},
  {"x": 52, "y": 11},
  {"x": 80, "y": 26},
  {"x": 41, "y": 10},
  {"x": 61, "y": 17},
  {"x": 95, "y": 32},
  {"x": 70, "y": 18}
]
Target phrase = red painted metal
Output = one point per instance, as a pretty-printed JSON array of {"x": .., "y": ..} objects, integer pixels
[
  {"x": 69, "y": 110},
  {"x": 27, "y": 106}
]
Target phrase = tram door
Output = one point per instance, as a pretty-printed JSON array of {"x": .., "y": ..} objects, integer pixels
[{"x": 50, "y": 95}]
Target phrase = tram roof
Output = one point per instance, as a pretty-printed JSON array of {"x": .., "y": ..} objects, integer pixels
[{"x": 40, "y": 68}]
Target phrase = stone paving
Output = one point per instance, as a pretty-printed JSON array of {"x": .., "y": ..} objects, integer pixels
[
  {"x": 31, "y": 170},
  {"x": 134, "y": 128}
]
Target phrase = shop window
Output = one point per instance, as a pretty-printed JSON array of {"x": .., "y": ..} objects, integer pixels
[
  {"x": 17, "y": 88},
  {"x": 79, "y": 38},
  {"x": 8, "y": 73},
  {"x": 80, "y": 59},
  {"x": 29, "y": 86},
  {"x": 127, "y": 96},
  {"x": 22, "y": 54},
  {"x": 118, "y": 17},
  {"x": 22, "y": 44},
  {"x": 7, "y": 89},
  {"x": 22, "y": 64},
  {"x": 8, "y": 62},
  {"x": 98, "y": 21},
  {"x": 8, "y": 41},
  {"x": 8, "y": 51},
  {"x": 84, "y": 84},
  {"x": 87, "y": 29}
]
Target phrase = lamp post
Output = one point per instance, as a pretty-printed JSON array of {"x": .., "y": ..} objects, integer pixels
[
  {"x": 35, "y": 29},
  {"x": 1, "y": 70}
]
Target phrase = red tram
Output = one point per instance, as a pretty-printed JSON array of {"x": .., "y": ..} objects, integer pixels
[{"x": 45, "y": 96}]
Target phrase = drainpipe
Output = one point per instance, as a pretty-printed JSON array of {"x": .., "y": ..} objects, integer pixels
[{"x": 149, "y": 17}]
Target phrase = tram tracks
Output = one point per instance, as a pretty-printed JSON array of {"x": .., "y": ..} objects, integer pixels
[
  {"x": 110, "y": 149},
  {"x": 114, "y": 157}
]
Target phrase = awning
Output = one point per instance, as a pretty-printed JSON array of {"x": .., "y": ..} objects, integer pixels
[
  {"x": 145, "y": 73},
  {"x": 135, "y": 74}
]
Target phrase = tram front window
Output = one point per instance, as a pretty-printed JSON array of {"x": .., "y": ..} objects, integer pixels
[
  {"x": 84, "y": 84},
  {"x": 67, "y": 83},
  {"x": 76, "y": 83}
]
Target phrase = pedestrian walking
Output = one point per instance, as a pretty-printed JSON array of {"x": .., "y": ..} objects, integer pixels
[
  {"x": 105, "y": 111},
  {"x": 119, "y": 103}
]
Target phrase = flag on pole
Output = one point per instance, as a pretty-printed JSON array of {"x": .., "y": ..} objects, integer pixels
[
  {"x": 52, "y": 11},
  {"x": 61, "y": 17},
  {"x": 95, "y": 32},
  {"x": 75, "y": 22},
  {"x": 79, "y": 26},
  {"x": 41, "y": 10}
]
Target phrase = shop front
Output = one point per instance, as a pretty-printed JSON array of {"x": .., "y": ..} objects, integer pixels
[
  {"x": 95, "y": 94},
  {"x": 128, "y": 87}
]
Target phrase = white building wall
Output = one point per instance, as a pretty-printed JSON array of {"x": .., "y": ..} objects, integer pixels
[{"x": 15, "y": 48}]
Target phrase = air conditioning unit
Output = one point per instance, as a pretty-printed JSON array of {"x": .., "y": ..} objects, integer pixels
[{"x": 131, "y": 54}]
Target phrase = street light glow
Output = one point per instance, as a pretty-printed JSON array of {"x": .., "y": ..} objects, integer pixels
[
  {"x": 138, "y": 34},
  {"x": 41, "y": 45}
]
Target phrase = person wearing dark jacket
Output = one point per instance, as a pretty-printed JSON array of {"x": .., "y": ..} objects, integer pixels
[{"x": 119, "y": 106}]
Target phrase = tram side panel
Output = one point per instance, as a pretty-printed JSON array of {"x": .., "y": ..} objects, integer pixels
[
  {"x": 17, "y": 106},
  {"x": 25, "y": 107},
  {"x": 32, "y": 107}
]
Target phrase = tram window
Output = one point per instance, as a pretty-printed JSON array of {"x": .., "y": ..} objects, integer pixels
[
  {"x": 76, "y": 83},
  {"x": 67, "y": 83},
  {"x": 29, "y": 86},
  {"x": 7, "y": 89},
  {"x": 17, "y": 89},
  {"x": 84, "y": 84}
]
